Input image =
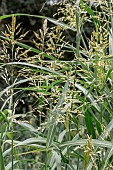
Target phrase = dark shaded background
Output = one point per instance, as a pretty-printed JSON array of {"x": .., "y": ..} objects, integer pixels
[{"x": 36, "y": 7}]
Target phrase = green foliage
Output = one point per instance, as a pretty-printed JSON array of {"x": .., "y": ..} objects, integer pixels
[{"x": 71, "y": 100}]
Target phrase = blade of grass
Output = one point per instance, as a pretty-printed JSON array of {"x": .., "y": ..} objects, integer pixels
[
  {"x": 108, "y": 128},
  {"x": 89, "y": 124},
  {"x": 54, "y": 21},
  {"x": 55, "y": 112},
  {"x": 95, "y": 142},
  {"x": 88, "y": 95},
  {"x": 109, "y": 154},
  {"x": 32, "y": 65},
  {"x": 15, "y": 83}
]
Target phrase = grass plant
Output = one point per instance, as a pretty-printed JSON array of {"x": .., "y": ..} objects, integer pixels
[{"x": 69, "y": 121}]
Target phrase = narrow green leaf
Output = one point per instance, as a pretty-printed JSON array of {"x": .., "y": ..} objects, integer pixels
[
  {"x": 95, "y": 142},
  {"x": 70, "y": 167},
  {"x": 15, "y": 83},
  {"x": 88, "y": 95},
  {"x": 3, "y": 116},
  {"x": 31, "y": 141},
  {"x": 30, "y": 48},
  {"x": 54, "y": 21},
  {"x": 64, "y": 159},
  {"x": 32, "y": 65},
  {"x": 98, "y": 124},
  {"x": 89, "y": 124},
  {"x": 51, "y": 133},
  {"x": 107, "y": 159},
  {"x": 61, "y": 135},
  {"x": 91, "y": 13},
  {"x": 27, "y": 126},
  {"x": 54, "y": 160},
  {"x": 35, "y": 50},
  {"x": 108, "y": 128},
  {"x": 55, "y": 112}
]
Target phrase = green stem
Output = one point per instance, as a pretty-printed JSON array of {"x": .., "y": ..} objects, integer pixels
[
  {"x": 78, "y": 35},
  {"x": 78, "y": 38},
  {"x": 11, "y": 105}
]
